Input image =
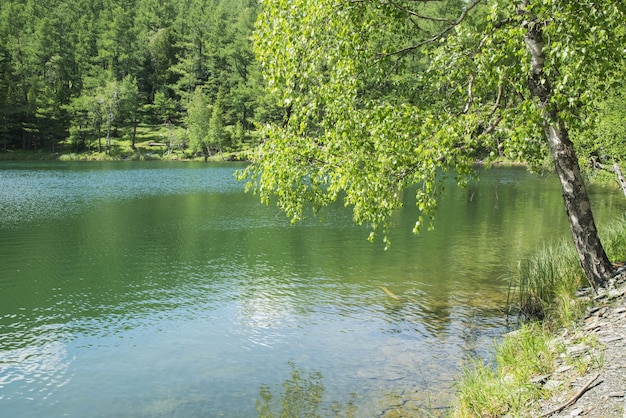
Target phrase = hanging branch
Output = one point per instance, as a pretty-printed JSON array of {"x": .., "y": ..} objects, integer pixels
[{"x": 436, "y": 36}]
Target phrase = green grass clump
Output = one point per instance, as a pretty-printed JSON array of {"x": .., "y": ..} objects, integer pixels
[
  {"x": 485, "y": 391},
  {"x": 87, "y": 156},
  {"x": 613, "y": 236},
  {"x": 545, "y": 294},
  {"x": 546, "y": 283}
]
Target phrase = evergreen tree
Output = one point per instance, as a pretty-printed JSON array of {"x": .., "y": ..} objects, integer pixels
[
  {"x": 60, "y": 58},
  {"x": 130, "y": 104},
  {"x": 216, "y": 135}
]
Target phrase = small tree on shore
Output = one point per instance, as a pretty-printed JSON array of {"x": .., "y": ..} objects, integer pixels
[
  {"x": 383, "y": 95},
  {"x": 216, "y": 134},
  {"x": 197, "y": 121},
  {"x": 108, "y": 98}
]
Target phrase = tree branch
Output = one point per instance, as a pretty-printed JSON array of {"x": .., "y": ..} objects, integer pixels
[
  {"x": 470, "y": 97},
  {"x": 615, "y": 169},
  {"x": 436, "y": 36},
  {"x": 418, "y": 15},
  {"x": 496, "y": 105}
]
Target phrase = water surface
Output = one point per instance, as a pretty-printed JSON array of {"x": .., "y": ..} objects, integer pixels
[{"x": 162, "y": 290}]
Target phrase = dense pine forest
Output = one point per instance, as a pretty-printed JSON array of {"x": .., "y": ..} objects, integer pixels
[
  {"x": 82, "y": 75},
  {"x": 180, "y": 76}
]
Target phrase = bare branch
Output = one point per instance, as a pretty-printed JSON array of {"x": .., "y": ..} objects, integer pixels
[
  {"x": 470, "y": 97},
  {"x": 492, "y": 126},
  {"x": 574, "y": 398},
  {"x": 436, "y": 36},
  {"x": 496, "y": 105}
]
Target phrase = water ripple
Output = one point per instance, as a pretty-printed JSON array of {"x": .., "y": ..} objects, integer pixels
[
  {"x": 163, "y": 290},
  {"x": 44, "y": 191},
  {"x": 38, "y": 367}
]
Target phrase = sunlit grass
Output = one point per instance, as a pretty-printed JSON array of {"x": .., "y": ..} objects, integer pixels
[
  {"x": 544, "y": 288},
  {"x": 614, "y": 239},
  {"x": 546, "y": 282},
  {"x": 152, "y": 142},
  {"x": 488, "y": 391}
]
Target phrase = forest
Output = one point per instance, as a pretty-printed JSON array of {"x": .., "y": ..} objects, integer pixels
[{"x": 81, "y": 75}]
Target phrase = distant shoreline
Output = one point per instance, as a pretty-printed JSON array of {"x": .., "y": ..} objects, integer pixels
[{"x": 157, "y": 155}]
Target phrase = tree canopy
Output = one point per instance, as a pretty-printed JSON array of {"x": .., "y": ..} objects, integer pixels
[
  {"x": 83, "y": 69},
  {"x": 382, "y": 95}
]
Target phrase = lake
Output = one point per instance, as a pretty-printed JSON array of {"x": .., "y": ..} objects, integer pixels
[{"x": 162, "y": 290}]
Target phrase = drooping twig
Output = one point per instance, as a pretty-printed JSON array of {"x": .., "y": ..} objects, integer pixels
[
  {"x": 620, "y": 177},
  {"x": 573, "y": 398},
  {"x": 613, "y": 169}
]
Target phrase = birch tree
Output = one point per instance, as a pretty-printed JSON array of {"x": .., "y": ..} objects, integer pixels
[{"x": 383, "y": 95}]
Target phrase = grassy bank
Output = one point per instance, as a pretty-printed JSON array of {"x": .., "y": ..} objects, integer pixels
[
  {"x": 152, "y": 142},
  {"x": 139, "y": 154},
  {"x": 544, "y": 293}
]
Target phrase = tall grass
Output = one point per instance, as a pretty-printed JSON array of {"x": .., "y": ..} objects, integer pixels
[
  {"x": 546, "y": 282},
  {"x": 485, "y": 391},
  {"x": 544, "y": 290},
  {"x": 614, "y": 239}
]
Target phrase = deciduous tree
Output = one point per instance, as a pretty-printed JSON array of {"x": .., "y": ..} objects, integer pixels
[
  {"x": 383, "y": 95},
  {"x": 197, "y": 121}
]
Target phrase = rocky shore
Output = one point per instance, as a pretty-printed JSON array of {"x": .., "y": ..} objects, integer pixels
[{"x": 590, "y": 375}]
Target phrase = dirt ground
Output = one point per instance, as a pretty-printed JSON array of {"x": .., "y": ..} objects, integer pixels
[{"x": 601, "y": 344}]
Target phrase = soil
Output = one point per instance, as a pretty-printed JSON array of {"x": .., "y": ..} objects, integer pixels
[{"x": 590, "y": 376}]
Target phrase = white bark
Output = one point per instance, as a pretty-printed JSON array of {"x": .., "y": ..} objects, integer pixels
[{"x": 593, "y": 259}]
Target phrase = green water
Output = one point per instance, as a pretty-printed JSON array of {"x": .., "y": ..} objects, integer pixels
[{"x": 162, "y": 290}]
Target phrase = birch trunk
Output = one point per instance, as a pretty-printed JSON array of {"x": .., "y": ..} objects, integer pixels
[
  {"x": 620, "y": 177},
  {"x": 593, "y": 259}
]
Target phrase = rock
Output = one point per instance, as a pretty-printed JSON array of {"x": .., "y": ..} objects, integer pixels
[
  {"x": 611, "y": 339},
  {"x": 614, "y": 294},
  {"x": 540, "y": 379},
  {"x": 576, "y": 350},
  {"x": 552, "y": 385},
  {"x": 563, "y": 369},
  {"x": 592, "y": 326},
  {"x": 576, "y": 412},
  {"x": 602, "y": 312},
  {"x": 594, "y": 309},
  {"x": 604, "y": 329}
]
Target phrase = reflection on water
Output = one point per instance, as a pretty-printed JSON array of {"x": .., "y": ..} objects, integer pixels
[
  {"x": 161, "y": 290},
  {"x": 36, "y": 370}
]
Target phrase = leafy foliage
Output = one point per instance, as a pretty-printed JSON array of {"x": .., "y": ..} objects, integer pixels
[
  {"x": 605, "y": 141},
  {"x": 381, "y": 96}
]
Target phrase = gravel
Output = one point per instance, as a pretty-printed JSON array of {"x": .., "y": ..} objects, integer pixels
[{"x": 598, "y": 349}]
